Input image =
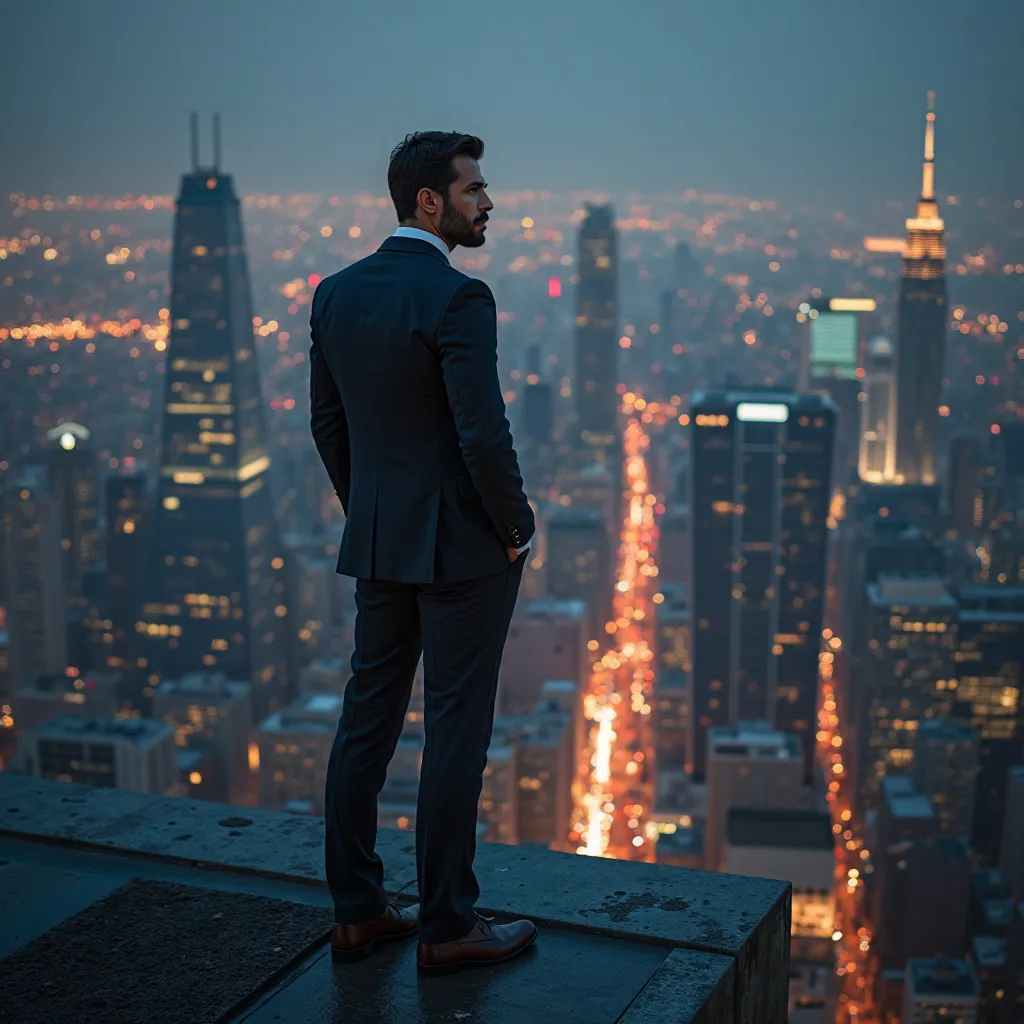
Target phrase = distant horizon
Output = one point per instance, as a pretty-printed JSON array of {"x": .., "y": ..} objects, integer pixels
[{"x": 820, "y": 105}]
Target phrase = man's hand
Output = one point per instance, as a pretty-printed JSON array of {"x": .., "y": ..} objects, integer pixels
[{"x": 513, "y": 555}]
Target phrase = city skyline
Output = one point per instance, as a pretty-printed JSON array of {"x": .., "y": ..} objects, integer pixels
[{"x": 684, "y": 98}]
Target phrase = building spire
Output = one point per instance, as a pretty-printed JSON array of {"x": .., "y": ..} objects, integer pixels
[{"x": 928, "y": 173}]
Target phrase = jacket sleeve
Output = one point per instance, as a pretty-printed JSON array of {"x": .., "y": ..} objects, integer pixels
[
  {"x": 467, "y": 342},
  {"x": 328, "y": 423}
]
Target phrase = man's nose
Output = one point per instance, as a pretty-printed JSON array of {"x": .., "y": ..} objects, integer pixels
[{"x": 486, "y": 203}]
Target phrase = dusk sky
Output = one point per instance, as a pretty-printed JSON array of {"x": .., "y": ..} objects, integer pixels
[{"x": 786, "y": 99}]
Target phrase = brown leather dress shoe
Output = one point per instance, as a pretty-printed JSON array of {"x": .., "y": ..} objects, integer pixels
[
  {"x": 354, "y": 941},
  {"x": 485, "y": 944}
]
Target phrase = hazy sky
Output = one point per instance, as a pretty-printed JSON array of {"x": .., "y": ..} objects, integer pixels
[{"x": 771, "y": 98}]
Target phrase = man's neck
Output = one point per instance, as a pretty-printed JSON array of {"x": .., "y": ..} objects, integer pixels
[{"x": 420, "y": 226}]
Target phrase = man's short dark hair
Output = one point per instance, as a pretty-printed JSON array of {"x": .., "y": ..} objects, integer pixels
[{"x": 424, "y": 160}]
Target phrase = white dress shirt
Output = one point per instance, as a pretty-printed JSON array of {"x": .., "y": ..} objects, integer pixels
[
  {"x": 439, "y": 244},
  {"x": 424, "y": 236}
]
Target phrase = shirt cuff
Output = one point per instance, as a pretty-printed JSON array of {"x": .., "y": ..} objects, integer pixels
[{"x": 525, "y": 547}]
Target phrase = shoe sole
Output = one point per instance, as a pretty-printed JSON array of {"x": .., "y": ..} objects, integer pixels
[
  {"x": 349, "y": 956},
  {"x": 454, "y": 968}
]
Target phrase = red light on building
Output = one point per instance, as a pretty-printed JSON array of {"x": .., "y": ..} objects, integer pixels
[
  {"x": 554, "y": 287},
  {"x": 313, "y": 280}
]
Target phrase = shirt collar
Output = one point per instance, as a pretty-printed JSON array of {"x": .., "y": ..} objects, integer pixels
[{"x": 424, "y": 236}]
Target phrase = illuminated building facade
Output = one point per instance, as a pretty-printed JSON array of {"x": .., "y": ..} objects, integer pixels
[
  {"x": 921, "y": 348},
  {"x": 988, "y": 695},
  {"x": 213, "y": 595},
  {"x": 207, "y": 711},
  {"x": 119, "y": 753},
  {"x": 760, "y": 483},
  {"x": 294, "y": 748},
  {"x": 906, "y": 672},
  {"x": 832, "y": 361},
  {"x": 597, "y": 339},
  {"x": 877, "y": 455}
]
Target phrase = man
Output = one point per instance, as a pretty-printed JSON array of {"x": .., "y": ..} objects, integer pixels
[{"x": 408, "y": 417}]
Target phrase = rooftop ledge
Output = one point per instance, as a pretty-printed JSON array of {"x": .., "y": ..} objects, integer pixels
[{"x": 668, "y": 944}]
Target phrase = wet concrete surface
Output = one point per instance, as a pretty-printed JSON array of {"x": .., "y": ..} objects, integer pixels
[{"x": 565, "y": 976}]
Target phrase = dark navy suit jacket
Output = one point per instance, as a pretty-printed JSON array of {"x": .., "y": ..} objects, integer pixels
[{"x": 408, "y": 417}]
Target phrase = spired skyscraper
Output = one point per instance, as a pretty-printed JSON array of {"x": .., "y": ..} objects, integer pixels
[
  {"x": 920, "y": 351},
  {"x": 213, "y": 598},
  {"x": 597, "y": 340}
]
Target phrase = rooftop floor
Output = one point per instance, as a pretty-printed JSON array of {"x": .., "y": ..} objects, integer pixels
[{"x": 638, "y": 944}]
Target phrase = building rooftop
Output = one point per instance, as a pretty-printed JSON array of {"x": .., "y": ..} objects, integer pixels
[
  {"x": 245, "y": 916},
  {"x": 921, "y": 591},
  {"x": 942, "y": 977},
  {"x": 313, "y": 713},
  {"x": 752, "y": 739},
  {"x": 789, "y": 829},
  {"x": 551, "y": 607},
  {"x": 141, "y": 731},
  {"x": 209, "y": 685}
]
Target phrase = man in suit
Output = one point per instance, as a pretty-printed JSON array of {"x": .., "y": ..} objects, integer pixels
[{"x": 408, "y": 417}]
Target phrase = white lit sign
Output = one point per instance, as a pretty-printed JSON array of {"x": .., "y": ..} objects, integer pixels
[{"x": 762, "y": 412}]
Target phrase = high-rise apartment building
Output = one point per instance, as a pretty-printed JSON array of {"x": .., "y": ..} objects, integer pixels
[
  {"x": 294, "y": 749},
  {"x": 211, "y": 712},
  {"x": 923, "y": 313},
  {"x": 877, "y": 455},
  {"x": 749, "y": 765},
  {"x": 127, "y": 539},
  {"x": 990, "y": 675},
  {"x": 941, "y": 991},
  {"x": 760, "y": 485},
  {"x": 579, "y": 563},
  {"x": 214, "y": 593},
  {"x": 946, "y": 771},
  {"x": 74, "y": 482},
  {"x": 833, "y": 355},
  {"x": 121, "y": 753},
  {"x": 597, "y": 338},
  {"x": 33, "y": 584},
  {"x": 906, "y": 672}
]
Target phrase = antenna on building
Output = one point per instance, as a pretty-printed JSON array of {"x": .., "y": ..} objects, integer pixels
[
  {"x": 216, "y": 141},
  {"x": 194, "y": 128}
]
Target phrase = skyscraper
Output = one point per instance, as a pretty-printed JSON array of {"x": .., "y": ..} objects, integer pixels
[
  {"x": 128, "y": 538},
  {"x": 759, "y": 493},
  {"x": 830, "y": 367},
  {"x": 580, "y": 563},
  {"x": 213, "y": 596},
  {"x": 877, "y": 458},
  {"x": 906, "y": 672},
  {"x": 74, "y": 484},
  {"x": 33, "y": 579},
  {"x": 988, "y": 695},
  {"x": 597, "y": 345},
  {"x": 922, "y": 329}
]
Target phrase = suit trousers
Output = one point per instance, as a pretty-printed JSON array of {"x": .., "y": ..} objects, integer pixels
[{"x": 460, "y": 628}]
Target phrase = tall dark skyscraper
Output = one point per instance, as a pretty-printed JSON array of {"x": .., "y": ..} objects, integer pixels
[
  {"x": 759, "y": 494},
  {"x": 74, "y": 480},
  {"x": 213, "y": 598},
  {"x": 597, "y": 339},
  {"x": 922, "y": 330}
]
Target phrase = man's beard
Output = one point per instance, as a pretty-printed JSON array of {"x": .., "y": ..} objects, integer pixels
[{"x": 457, "y": 229}]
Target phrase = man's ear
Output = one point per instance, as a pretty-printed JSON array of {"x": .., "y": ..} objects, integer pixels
[{"x": 429, "y": 201}]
